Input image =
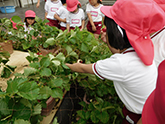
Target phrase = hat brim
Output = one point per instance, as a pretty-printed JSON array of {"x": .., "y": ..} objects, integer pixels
[
  {"x": 143, "y": 47},
  {"x": 148, "y": 113},
  {"x": 33, "y": 16},
  {"x": 106, "y": 10}
]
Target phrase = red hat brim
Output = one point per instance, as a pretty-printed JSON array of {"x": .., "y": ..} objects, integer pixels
[
  {"x": 148, "y": 113},
  {"x": 71, "y": 9}
]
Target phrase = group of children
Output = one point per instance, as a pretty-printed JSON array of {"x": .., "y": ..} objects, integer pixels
[
  {"x": 68, "y": 14},
  {"x": 129, "y": 25}
]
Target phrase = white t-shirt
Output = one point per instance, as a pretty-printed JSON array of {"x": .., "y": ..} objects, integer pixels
[
  {"x": 96, "y": 14},
  {"x": 28, "y": 29},
  {"x": 51, "y": 8},
  {"x": 133, "y": 81},
  {"x": 158, "y": 40},
  {"x": 75, "y": 19},
  {"x": 62, "y": 12}
]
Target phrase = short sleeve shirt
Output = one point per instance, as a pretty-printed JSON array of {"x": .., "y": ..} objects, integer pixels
[
  {"x": 75, "y": 19},
  {"x": 51, "y": 8},
  {"x": 62, "y": 12},
  {"x": 133, "y": 81},
  {"x": 158, "y": 40},
  {"x": 96, "y": 14}
]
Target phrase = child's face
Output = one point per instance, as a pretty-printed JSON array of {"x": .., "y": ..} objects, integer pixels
[
  {"x": 93, "y": 2},
  {"x": 30, "y": 20}
]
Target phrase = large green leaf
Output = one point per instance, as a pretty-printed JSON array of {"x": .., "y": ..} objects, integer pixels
[
  {"x": 45, "y": 72},
  {"x": 29, "y": 90},
  {"x": 84, "y": 48},
  {"x": 56, "y": 82},
  {"x": 44, "y": 92},
  {"x": 93, "y": 116},
  {"x": 45, "y": 62},
  {"x": 4, "y": 110},
  {"x": 57, "y": 93},
  {"x": 50, "y": 41},
  {"x": 21, "y": 121},
  {"x": 103, "y": 116},
  {"x": 61, "y": 57},
  {"x": 37, "y": 109},
  {"x": 29, "y": 71},
  {"x": 12, "y": 87}
]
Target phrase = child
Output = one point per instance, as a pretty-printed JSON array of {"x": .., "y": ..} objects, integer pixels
[
  {"x": 76, "y": 15},
  {"x": 130, "y": 68},
  {"x": 29, "y": 20},
  {"x": 95, "y": 17},
  {"x": 61, "y": 15},
  {"x": 154, "y": 108},
  {"x": 50, "y": 9}
]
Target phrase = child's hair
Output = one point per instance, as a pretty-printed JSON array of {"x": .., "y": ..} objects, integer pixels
[
  {"x": 115, "y": 37},
  {"x": 63, "y": 1},
  {"x": 27, "y": 24},
  {"x": 99, "y": 1}
]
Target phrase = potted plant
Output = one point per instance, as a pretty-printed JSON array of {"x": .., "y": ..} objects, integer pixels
[{"x": 5, "y": 28}]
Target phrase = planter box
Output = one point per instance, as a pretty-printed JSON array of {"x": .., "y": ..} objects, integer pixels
[
  {"x": 50, "y": 104},
  {"x": 6, "y": 46}
]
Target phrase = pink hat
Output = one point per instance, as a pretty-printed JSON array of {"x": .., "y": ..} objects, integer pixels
[
  {"x": 30, "y": 13},
  {"x": 139, "y": 18},
  {"x": 72, "y": 5},
  {"x": 161, "y": 3},
  {"x": 154, "y": 107},
  {"x": 13, "y": 24}
]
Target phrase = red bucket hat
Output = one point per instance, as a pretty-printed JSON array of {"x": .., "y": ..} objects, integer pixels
[
  {"x": 154, "y": 107},
  {"x": 139, "y": 18},
  {"x": 161, "y": 3},
  {"x": 72, "y": 5},
  {"x": 30, "y": 13}
]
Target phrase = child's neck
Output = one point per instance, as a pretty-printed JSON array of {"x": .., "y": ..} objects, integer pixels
[
  {"x": 96, "y": 5},
  {"x": 64, "y": 4},
  {"x": 54, "y": 0}
]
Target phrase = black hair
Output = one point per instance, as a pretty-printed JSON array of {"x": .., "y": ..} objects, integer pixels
[
  {"x": 63, "y": 1},
  {"x": 99, "y": 1},
  {"x": 115, "y": 38},
  {"x": 27, "y": 24}
]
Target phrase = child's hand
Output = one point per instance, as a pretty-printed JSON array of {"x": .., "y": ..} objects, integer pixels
[
  {"x": 103, "y": 35},
  {"x": 64, "y": 20},
  {"x": 94, "y": 28}
]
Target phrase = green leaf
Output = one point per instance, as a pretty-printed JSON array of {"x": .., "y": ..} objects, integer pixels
[
  {"x": 81, "y": 113},
  {"x": 12, "y": 68},
  {"x": 57, "y": 93},
  {"x": 68, "y": 49},
  {"x": 37, "y": 109},
  {"x": 44, "y": 92},
  {"x": 55, "y": 121},
  {"x": 82, "y": 121},
  {"x": 50, "y": 41},
  {"x": 5, "y": 73},
  {"x": 29, "y": 90},
  {"x": 84, "y": 48},
  {"x": 56, "y": 62},
  {"x": 56, "y": 82},
  {"x": 103, "y": 116},
  {"x": 74, "y": 54},
  {"x": 29, "y": 71},
  {"x": 16, "y": 19},
  {"x": 87, "y": 115},
  {"x": 45, "y": 62},
  {"x": 26, "y": 103},
  {"x": 93, "y": 117},
  {"x": 4, "y": 107},
  {"x": 61, "y": 57},
  {"x": 12, "y": 87},
  {"x": 21, "y": 121},
  {"x": 45, "y": 72},
  {"x": 35, "y": 65}
]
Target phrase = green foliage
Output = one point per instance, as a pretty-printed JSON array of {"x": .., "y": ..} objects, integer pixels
[{"x": 49, "y": 76}]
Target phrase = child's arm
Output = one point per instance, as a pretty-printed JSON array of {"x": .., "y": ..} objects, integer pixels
[
  {"x": 46, "y": 13},
  {"x": 83, "y": 24},
  {"x": 81, "y": 68},
  {"x": 68, "y": 26},
  {"x": 91, "y": 21},
  {"x": 59, "y": 19},
  {"x": 38, "y": 4}
]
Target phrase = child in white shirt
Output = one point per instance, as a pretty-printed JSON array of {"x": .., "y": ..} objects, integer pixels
[
  {"x": 50, "y": 9},
  {"x": 61, "y": 15},
  {"x": 76, "y": 17},
  {"x": 95, "y": 17}
]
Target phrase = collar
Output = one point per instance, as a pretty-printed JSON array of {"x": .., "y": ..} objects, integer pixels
[{"x": 131, "y": 49}]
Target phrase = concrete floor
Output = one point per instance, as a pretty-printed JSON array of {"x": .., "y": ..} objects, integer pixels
[{"x": 40, "y": 12}]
